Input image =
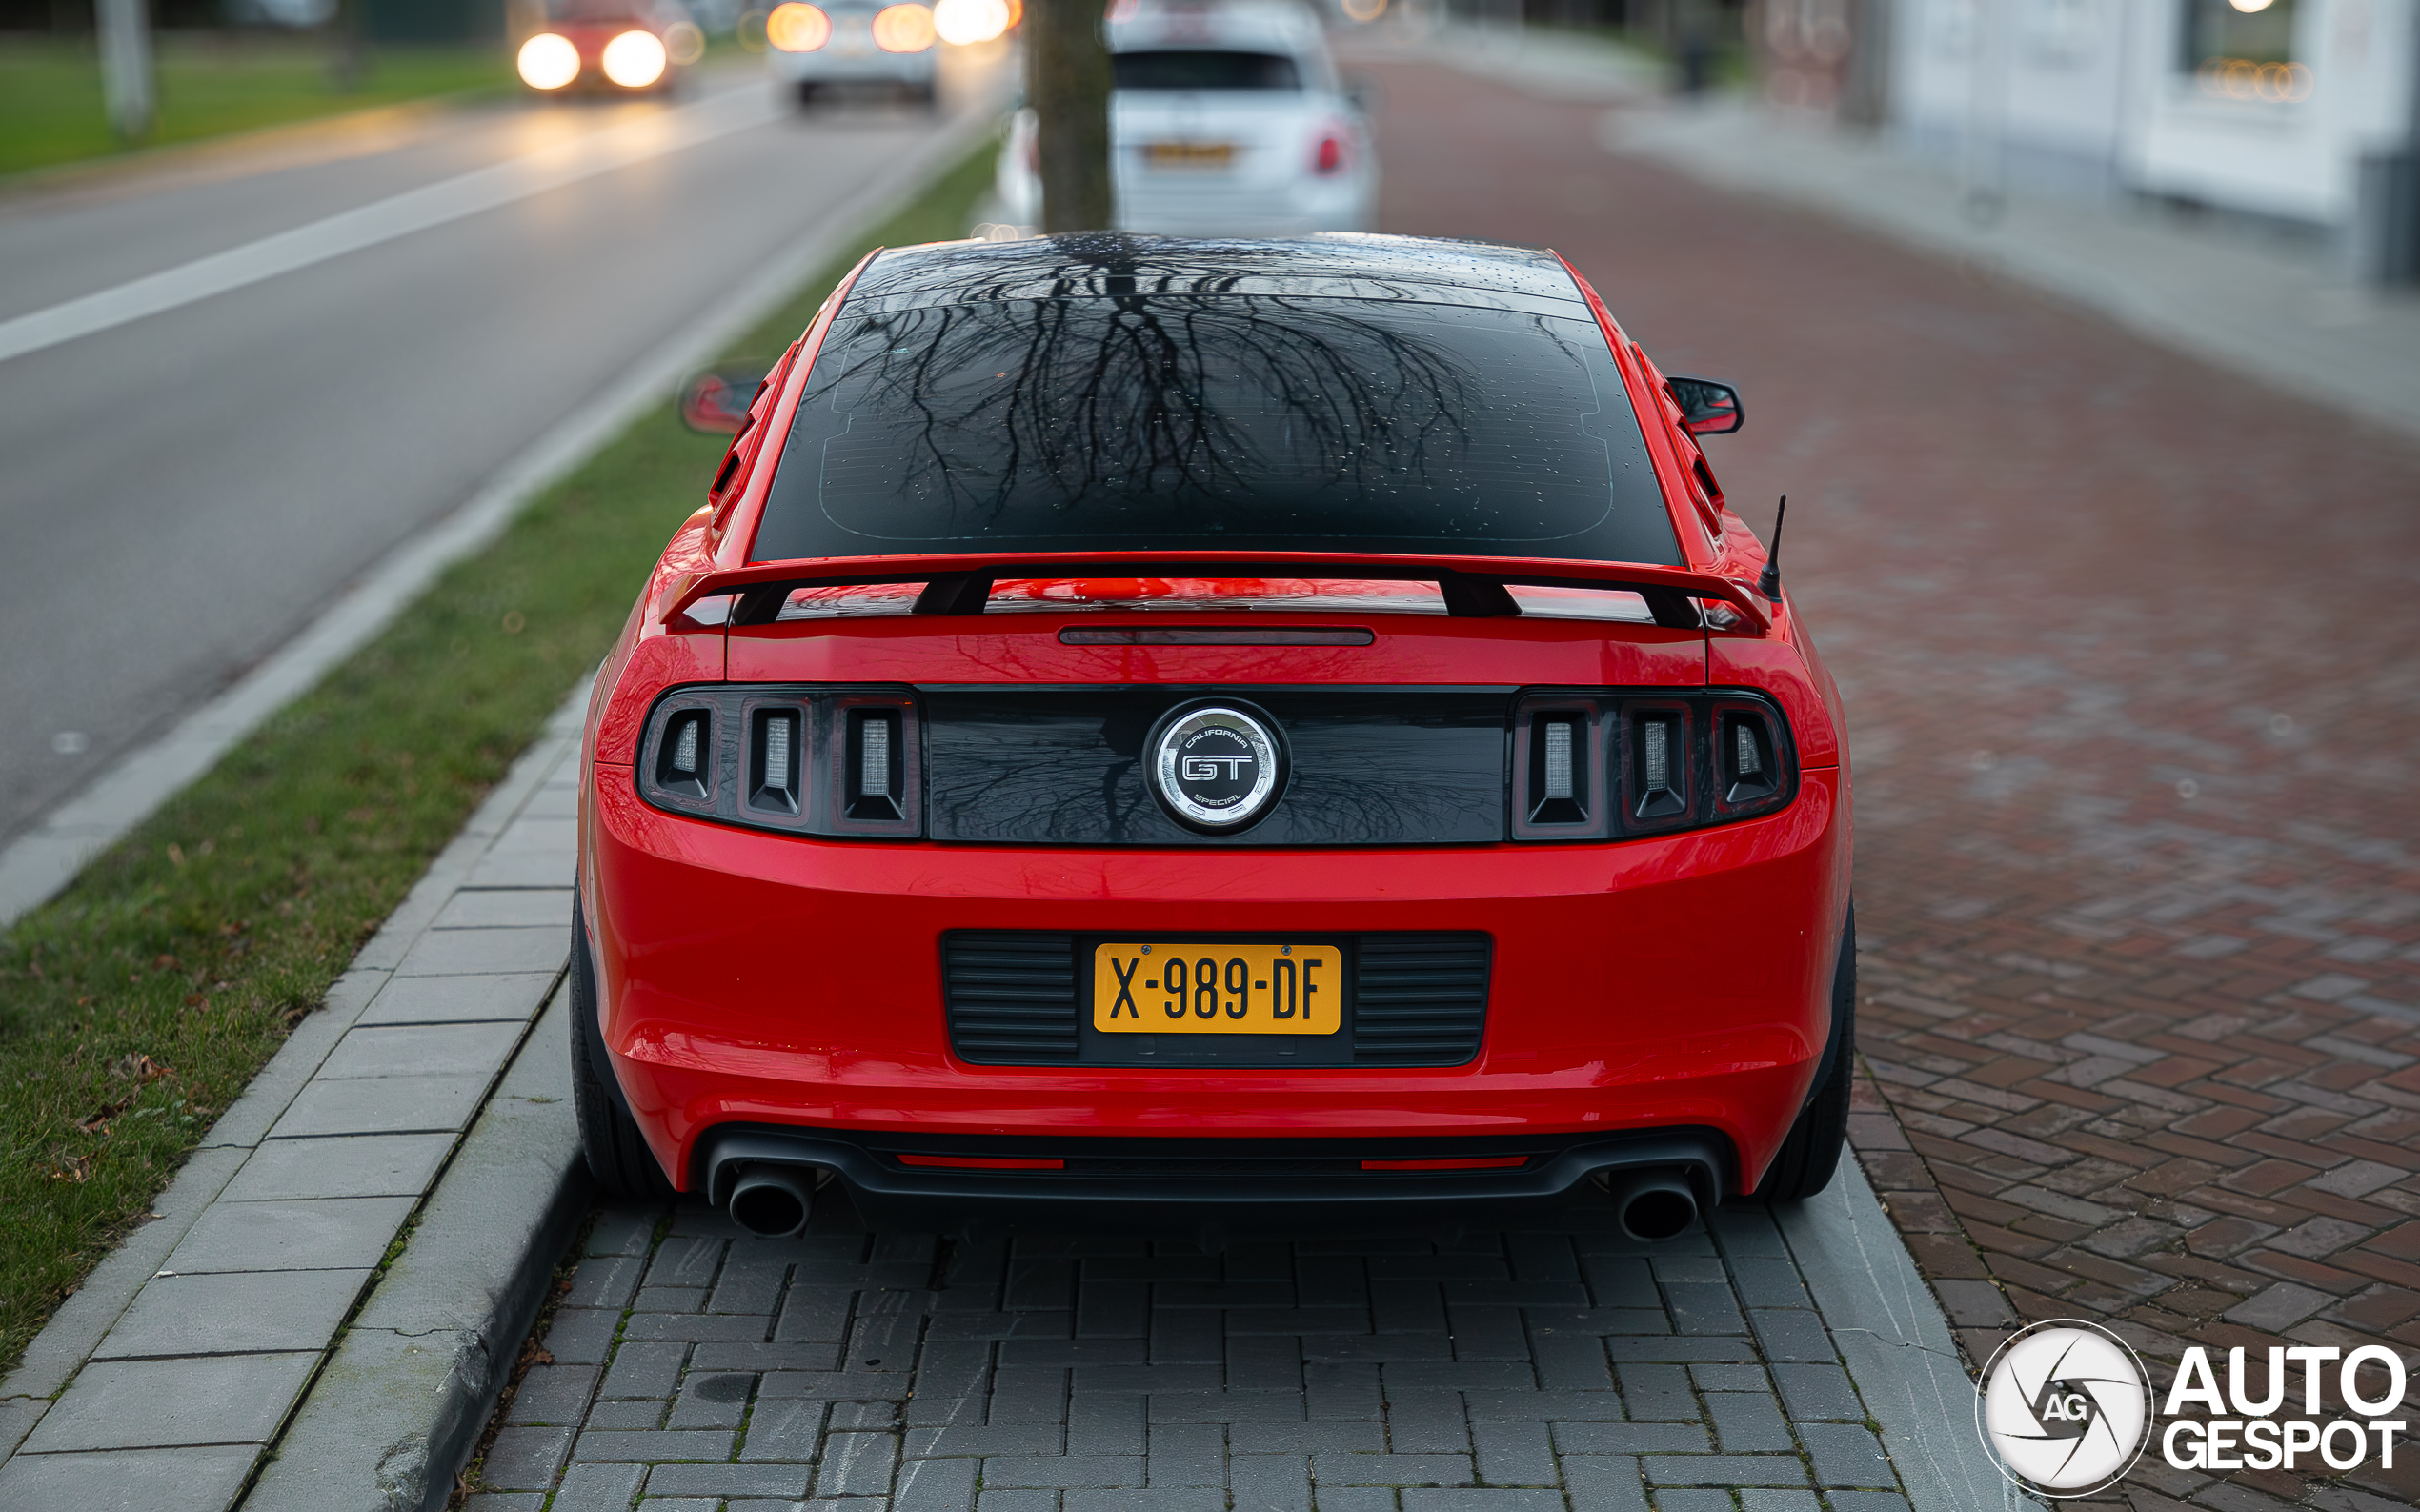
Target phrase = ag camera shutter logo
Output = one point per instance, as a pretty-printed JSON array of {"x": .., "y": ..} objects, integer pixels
[{"x": 2065, "y": 1408}]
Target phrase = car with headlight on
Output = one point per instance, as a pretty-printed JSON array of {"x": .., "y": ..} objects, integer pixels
[
  {"x": 1226, "y": 119},
  {"x": 616, "y": 47},
  {"x": 1210, "y": 736},
  {"x": 811, "y": 46}
]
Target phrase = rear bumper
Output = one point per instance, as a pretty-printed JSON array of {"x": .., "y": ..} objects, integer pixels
[
  {"x": 750, "y": 979},
  {"x": 832, "y": 65},
  {"x": 1241, "y": 1186}
]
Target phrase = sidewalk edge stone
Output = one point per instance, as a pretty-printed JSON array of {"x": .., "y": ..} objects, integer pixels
[
  {"x": 396, "y": 1412},
  {"x": 1892, "y": 1331}
]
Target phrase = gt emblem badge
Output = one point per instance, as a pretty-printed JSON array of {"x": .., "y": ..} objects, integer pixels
[{"x": 1215, "y": 766}]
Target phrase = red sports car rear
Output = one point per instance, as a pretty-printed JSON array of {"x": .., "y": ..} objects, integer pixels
[{"x": 1160, "y": 734}]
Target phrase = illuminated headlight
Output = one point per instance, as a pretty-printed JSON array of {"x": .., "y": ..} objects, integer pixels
[
  {"x": 547, "y": 62},
  {"x": 962, "y": 23},
  {"x": 635, "y": 59},
  {"x": 903, "y": 29},
  {"x": 797, "y": 26}
]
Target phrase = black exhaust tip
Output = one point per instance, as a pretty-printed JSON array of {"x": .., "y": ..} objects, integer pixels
[
  {"x": 771, "y": 1201},
  {"x": 1653, "y": 1205}
]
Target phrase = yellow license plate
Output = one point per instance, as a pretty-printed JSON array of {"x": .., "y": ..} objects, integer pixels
[
  {"x": 1198, "y": 988},
  {"x": 1188, "y": 155}
]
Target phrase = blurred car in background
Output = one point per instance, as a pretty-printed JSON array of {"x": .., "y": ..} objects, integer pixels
[
  {"x": 621, "y": 46},
  {"x": 810, "y": 47},
  {"x": 1228, "y": 120}
]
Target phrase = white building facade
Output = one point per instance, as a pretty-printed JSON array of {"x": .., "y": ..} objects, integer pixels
[{"x": 2298, "y": 114}]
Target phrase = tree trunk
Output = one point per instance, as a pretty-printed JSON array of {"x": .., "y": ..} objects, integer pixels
[{"x": 1067, "y": 84}]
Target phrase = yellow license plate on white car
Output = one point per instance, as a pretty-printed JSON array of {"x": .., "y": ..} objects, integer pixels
[
  {"x": 1198, "y": 988},
  {"x": 1188, "y": 155}
]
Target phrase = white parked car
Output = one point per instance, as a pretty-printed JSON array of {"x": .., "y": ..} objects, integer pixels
[
  {"x": 808, "y": 46},
  {"x": 1228, "y": 120}
]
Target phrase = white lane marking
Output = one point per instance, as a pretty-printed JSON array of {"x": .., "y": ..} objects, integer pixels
[
  {"x": 46, "y": 858},
  {"x": 351, "y": 231}
]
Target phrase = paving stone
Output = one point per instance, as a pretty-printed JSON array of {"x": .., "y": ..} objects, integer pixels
[
  {"x": 1605, "y": 1483},
  {"x": 321, "y": 1234},
  {"x": 936, "y": 1486},
  {"x": 1723, "y": 1469},
  {"x": 526, "y": 1459},
  {"x": 1812, "y": 1391},
  {"x": 1769, "y": 1499},
  {"x": 514, "y": 996},
  {"x": 234, "y": 1312},
  {"x": 505, "y": 1501},
  {"x": 378, "y": 1165},
  {"x": 1171, "y": 1499},
  {"x": 1391, "y": 1469},
  {"x": 127, "y": 1480},
  {"x": 1514, "y": 1453},
  {"x": 695, "y": 1444},
  {"x": 592, "y": 1487},
  {"x": 413, "y": 1050},
  {"x": 1418, "y": 1499},
  {"x": 508, "y": 908},
  {"x": 1631, "y": 1437},
  {"x": 1789, "y": 1333},
  {"x": 481, "y": 952},
  {"x": 730, "y": 1479},
  {"x": 1846, "y": 1454},
  {"x": 651, "y": 1370},
  {"x": 1746, "y": 1422},
  {"x": 157, "y": 1403},
  {"x": 1269, "y": 1483},
  {"x": 556, "y": 1393},
  {"x": 858, "y": 1464},
  {"x": 582, "y": 1336},
  {"x": 390, "y": 1105},
  {"x": 1036, "y": 1471}
]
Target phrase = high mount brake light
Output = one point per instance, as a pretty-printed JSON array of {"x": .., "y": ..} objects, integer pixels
[{"x": 1596, "y": 765}]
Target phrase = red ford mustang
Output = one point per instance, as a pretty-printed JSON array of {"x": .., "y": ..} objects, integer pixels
[{"x": 1216, "y": 735}]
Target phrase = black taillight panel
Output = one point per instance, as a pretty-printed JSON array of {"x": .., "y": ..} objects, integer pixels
[
  {"x": 816, "y": 761},
  {"x": 1652, "y": 762}
]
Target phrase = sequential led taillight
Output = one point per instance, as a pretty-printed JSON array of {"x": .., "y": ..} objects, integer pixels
[{"x": 1598, "y": 765}]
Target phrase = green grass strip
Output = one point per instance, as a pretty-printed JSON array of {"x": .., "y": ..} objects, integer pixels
[
  {"x": 139, "y": 1002},
  {"x": 210, "y": 85}
]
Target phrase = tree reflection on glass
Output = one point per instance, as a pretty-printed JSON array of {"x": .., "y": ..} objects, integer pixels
[{"x": 1121, "y": 400}]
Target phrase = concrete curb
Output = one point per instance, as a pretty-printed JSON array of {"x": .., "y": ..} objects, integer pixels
[
  {"x": 395, "y": 1414},
  {"x": 1896, "y": 1341},
  {"x": 76, "y": 1329}
]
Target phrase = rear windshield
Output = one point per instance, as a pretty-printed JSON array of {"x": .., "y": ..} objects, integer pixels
[
  {"x": 1200, "y": 68},
  {"x": 1175, "y": 422}
]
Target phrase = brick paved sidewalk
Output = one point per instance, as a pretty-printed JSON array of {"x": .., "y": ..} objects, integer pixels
[
  {"x": 2128, "y": 649},
  {"x": 1494, "y": 1374}
]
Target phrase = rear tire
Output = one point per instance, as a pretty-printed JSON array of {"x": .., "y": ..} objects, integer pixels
[
  {"x": 617, "y": 1152},
  {"x": 1812, "y": 1152}
]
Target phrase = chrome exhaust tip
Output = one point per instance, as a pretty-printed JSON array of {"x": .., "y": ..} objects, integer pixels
[
  {"x": 1653, "y": 1205},
  {"x": 772, "y": 1201}
]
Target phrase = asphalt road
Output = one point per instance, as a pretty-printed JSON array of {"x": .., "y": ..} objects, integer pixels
[{"x": 184, "y": 489}]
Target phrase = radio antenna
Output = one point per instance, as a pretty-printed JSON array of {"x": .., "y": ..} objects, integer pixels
[{"x": 1771, "y": 582}]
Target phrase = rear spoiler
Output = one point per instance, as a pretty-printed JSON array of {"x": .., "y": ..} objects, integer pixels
[{"x": 1473, "y": 586}]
